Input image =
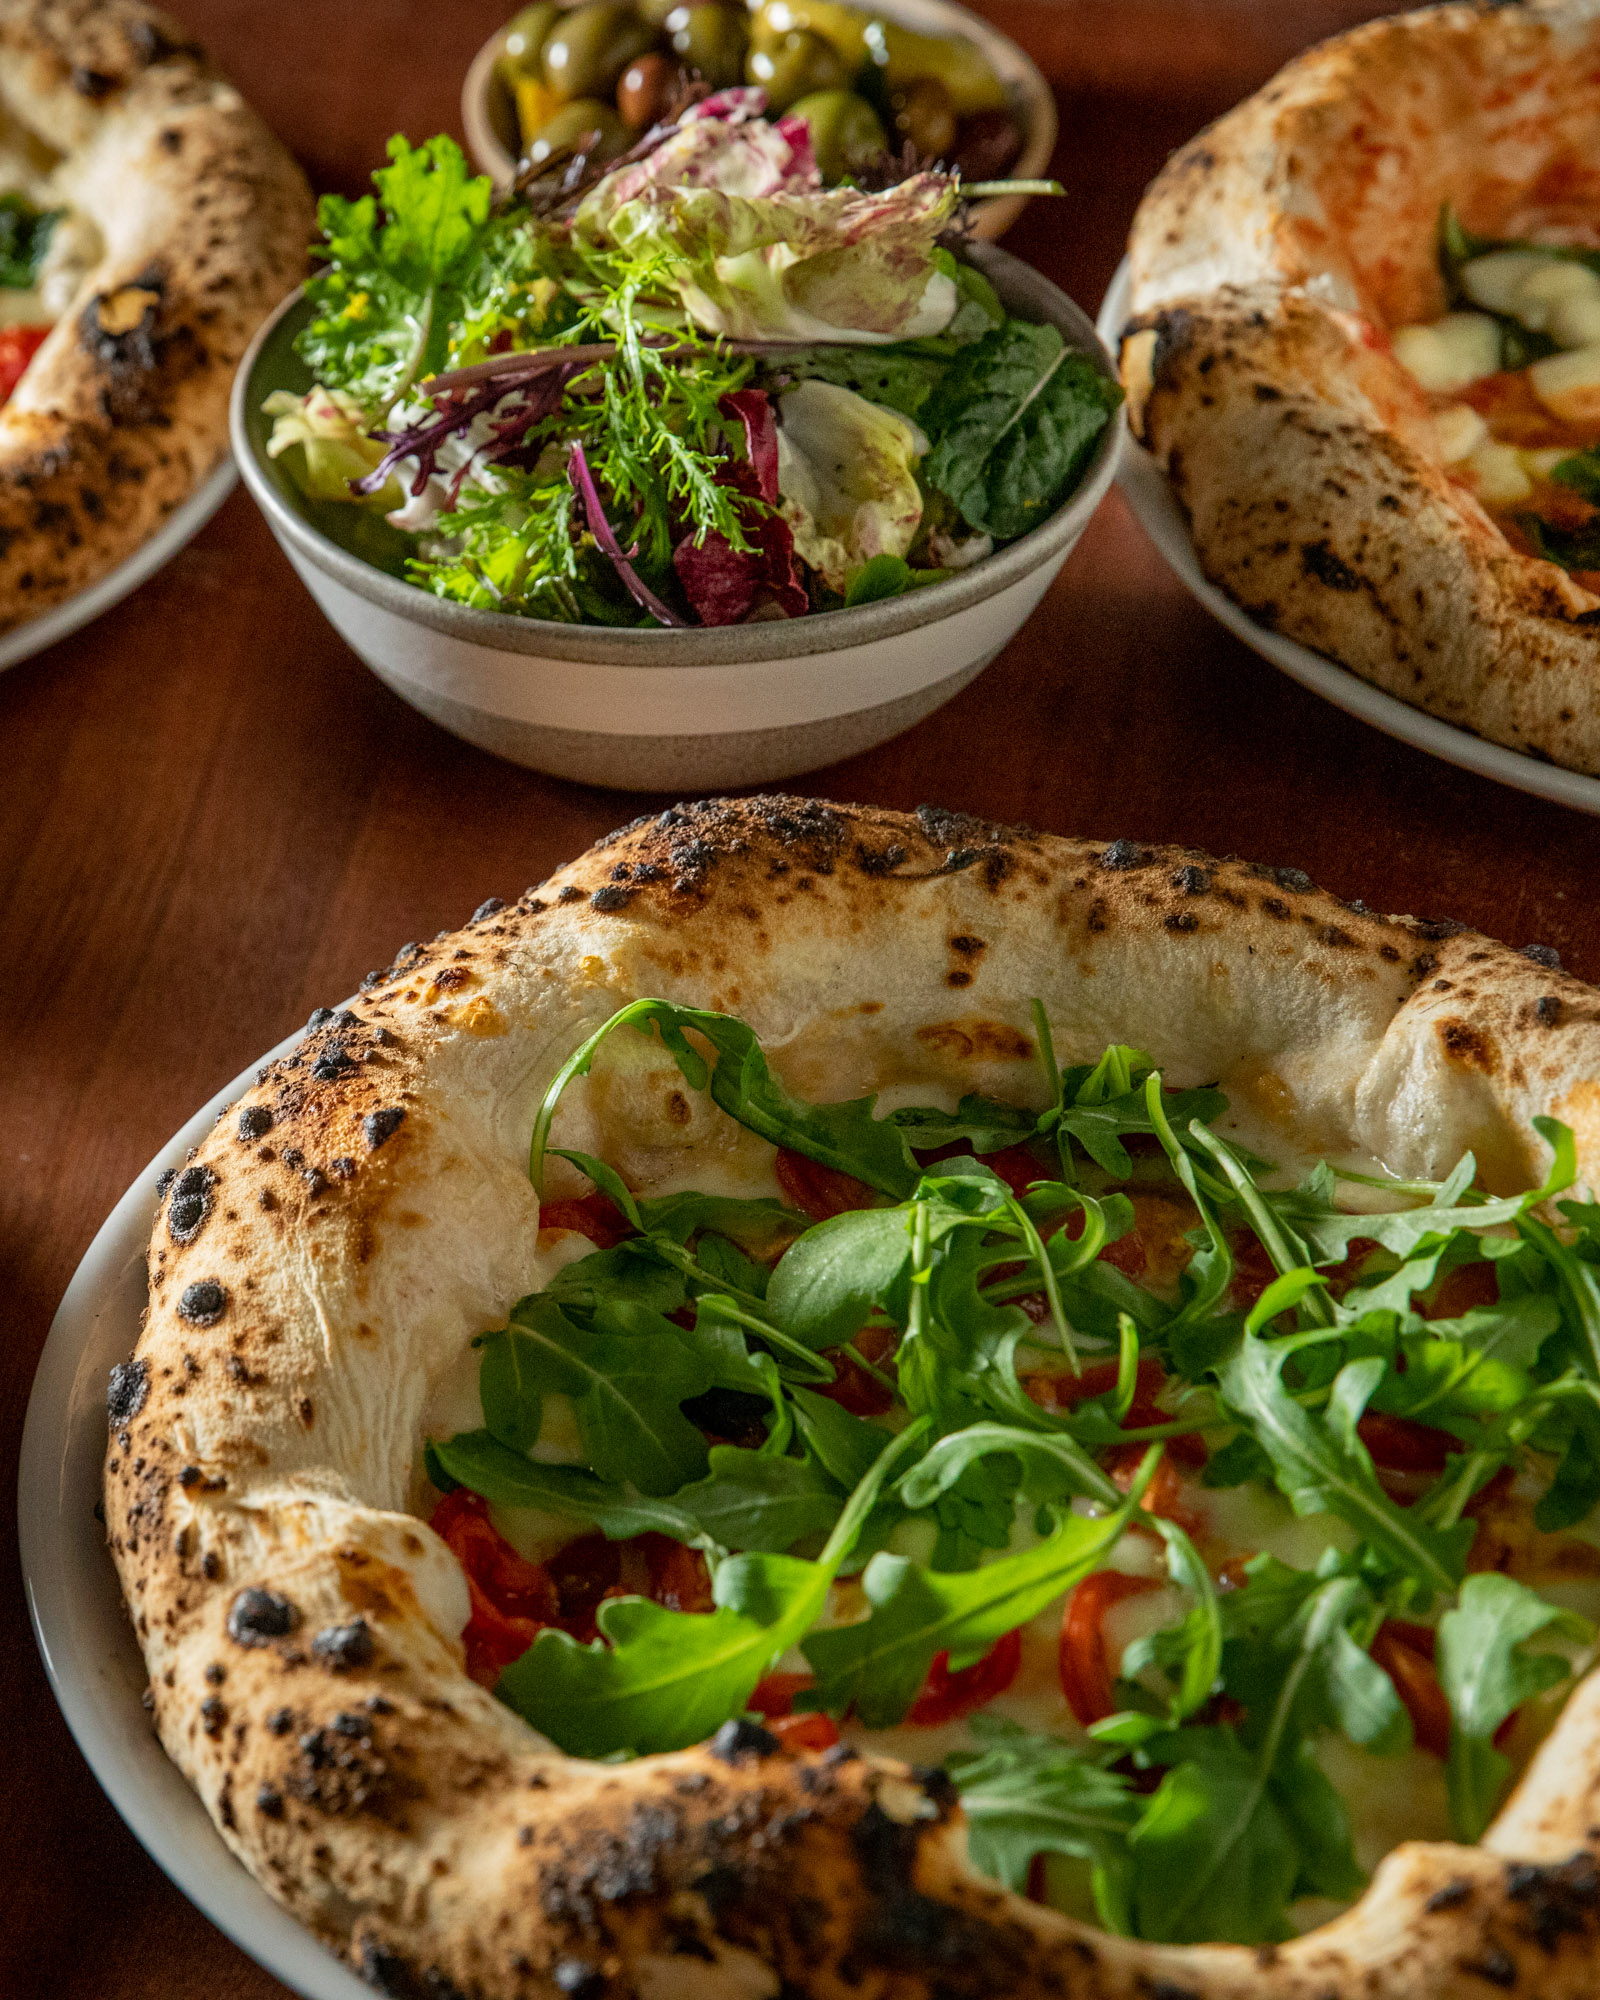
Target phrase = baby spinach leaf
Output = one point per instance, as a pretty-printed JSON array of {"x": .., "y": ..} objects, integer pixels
[
  {"x": 658, "y": 1679},
  {"x": 891, "y": 376},
  {"x": 878, "y": 1666},
  {"x": 507, "y": 1478},
  {"x": 1487, "y": 1672},
  {"x": 1013, "y": 423},
  {"x": 626, "y": 1388},
  {"x": 887, "y": 576}
]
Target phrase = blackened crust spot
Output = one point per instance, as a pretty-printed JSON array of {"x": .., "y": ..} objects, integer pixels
[
  {"x": 1543, "y": 954},
  {"x": 204, "y": 1303},
  {"x": 1558, "y": 1902},
  {"x": 389, "y": 1973},
  {"x": 1126, "y": 854},
  {"x": 126, "y": 1391},
  {"x": 255, "y": 1122},
  {"x": 342, "y": 1647},
  {"x": 190, "y": 1203},
  {"x": 577, "y": 1979},
  {"x": 610, "y": 897},
  {"x": 379, "y": 1126},
  {"x": 256, "y": 1617},
  {"x": 1318, "y": 559},
  {"x": 738, "y": 1739}
]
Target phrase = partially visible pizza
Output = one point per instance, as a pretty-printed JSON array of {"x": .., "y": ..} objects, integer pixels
[
  {"x": 843, "y": 1403},
  {"x": 148, "y": 223},
  {"x": 1365, "y": 349}
]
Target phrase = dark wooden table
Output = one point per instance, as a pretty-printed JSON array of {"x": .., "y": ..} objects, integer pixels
[{"x": 213, "y": 818}]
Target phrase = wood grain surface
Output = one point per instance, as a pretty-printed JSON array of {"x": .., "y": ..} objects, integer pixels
[{"x": 213, "y": 818}]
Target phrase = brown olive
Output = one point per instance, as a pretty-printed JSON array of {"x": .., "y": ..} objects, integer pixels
[
  {"x": 795, "y": 67},
  {"x": 585, "y": 125},
  {"x": 845, "y": 131},
  {"x": 589, "y": 48},
  {"x": 924, "y": 115},
  {"x": 646, "y": 90},
  {"x": 711, "y": 41},
  {"x": 987, "y": 145},
  {"x": 526, "y": 35}
]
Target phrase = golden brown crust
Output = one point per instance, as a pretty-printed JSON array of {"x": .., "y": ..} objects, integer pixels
[
  {"x": 205, "y": 218},
  {"x": 1270, "y": 257},
  {"x": 364, "y": 1209}
]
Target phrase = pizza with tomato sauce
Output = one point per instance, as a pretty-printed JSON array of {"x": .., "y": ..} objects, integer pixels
[
  {"x": 148, "y": 222},
  {"x": 837, "y": 1401},
  {"x": 1365, "y": 349}
]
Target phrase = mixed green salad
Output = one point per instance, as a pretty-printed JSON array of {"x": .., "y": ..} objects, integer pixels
[
  {"x": 832, "y": 1460},
  {"x": 694, "y": 386}
]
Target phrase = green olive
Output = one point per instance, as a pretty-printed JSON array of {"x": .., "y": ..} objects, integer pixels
[
  {"x": 924, "y": 115},
  {"x": 845, "y": 131},
  {"x": 796, "y": 67},
  {"x": 571, "y": 128},
  {"x": 655, "y": 12},
  {"x": 526, "y": 35},
  {"x": 710, "y": 40},
  {"x": 588, "y": 49}
]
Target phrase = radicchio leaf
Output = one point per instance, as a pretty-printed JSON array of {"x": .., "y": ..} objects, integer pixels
[
  {"x": 753, "y": 409},
  {"x": 722, "y": 583}
]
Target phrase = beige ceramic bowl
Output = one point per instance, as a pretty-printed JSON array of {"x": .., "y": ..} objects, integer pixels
[
  {"x": 695, "y": 707},
  {"x": 490, "y": 121}
]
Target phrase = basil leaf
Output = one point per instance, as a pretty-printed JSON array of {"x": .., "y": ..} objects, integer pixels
[
  {"x": 1486, "y": 1672},
  {"x": 626, "y": 1389},
  {"x": 505, "y": 1478},
  {"x": 1013, "y": 423},
  {"x": 879, "y": 1665}
]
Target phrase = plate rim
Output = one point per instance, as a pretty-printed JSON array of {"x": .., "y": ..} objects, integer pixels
[
  {"x": 176, "y": 531},
  {"x": 56, "y": 1526},
  {"x": 1145, "y": 488}
]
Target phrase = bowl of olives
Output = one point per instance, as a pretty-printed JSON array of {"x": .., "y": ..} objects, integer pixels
[{"x": 911, "y": 81}]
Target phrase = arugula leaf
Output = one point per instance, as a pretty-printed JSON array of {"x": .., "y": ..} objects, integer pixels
[
  {"x": 1321, "y": 1465},
  {"x": 827, "y": 1283},
  {"x": 845, "y": 1136},
  {"x": 25, "y": 234},
  {"x": 1025, "y": 1795},
  {"x": 1487, "y": 1672},
  {"x": 847, "y": 1446},
  {"x": 757, "y": 1500},
  {"x": 884, "y": 576},
  {"x": 878, "y": 1666},
  {"x": 507, "y": 1478},
  {"x": 984, "y": 1123},
  {"x": 626, "y": 1388},
  {"x": 1013, "y": 423},
  {"x": 1053, "y": 1465},
  {"x": 660, "y": 1680},
  {"x": 389, "y": 290}
]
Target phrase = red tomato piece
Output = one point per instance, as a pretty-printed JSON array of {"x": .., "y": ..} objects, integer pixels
[
  {"x": 1066, "y": 1392},
  {"x": 1405, "y": 1653},
  {"x": 679, "y": 1578},
  {"x": 946, "y": 1695},
  {"x": 774, "y": 1695},
  {"x": 593, "y": 1215},
  {"x": 1085, "y": 1669},
  {"x": 1468, "y": 1285},
  {"x": 805, "y": 1732},
  {"x": 1253, "y": 1270},
  {"x": 18, "y": 346},
  {"x": 852, "y": 1388},
  {"x": 1399, "y": 1444},
  {"x": 820, "y": 1191},
  {"x": 512, "y": 1599}
]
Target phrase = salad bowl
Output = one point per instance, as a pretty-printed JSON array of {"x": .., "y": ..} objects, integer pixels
[
  {"x": 490, "y": 121},
  {"x": 687, "y": 708}
]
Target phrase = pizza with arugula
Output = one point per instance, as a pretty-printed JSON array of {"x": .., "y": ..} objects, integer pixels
[{"x": 723, "y": 1416}]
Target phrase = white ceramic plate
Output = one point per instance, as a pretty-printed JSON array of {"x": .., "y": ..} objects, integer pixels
[
  {"x": 1151, "y": 498},
  {"x": 178, "y": 528},
  {"x": 83, "y": 1632}
]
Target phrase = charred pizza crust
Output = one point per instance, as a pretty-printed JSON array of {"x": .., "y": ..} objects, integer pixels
[
  {"x": 204, "y": 219},
  {"x": 1268, "y": 260},
  {"x": 364, "y": 1210}
]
